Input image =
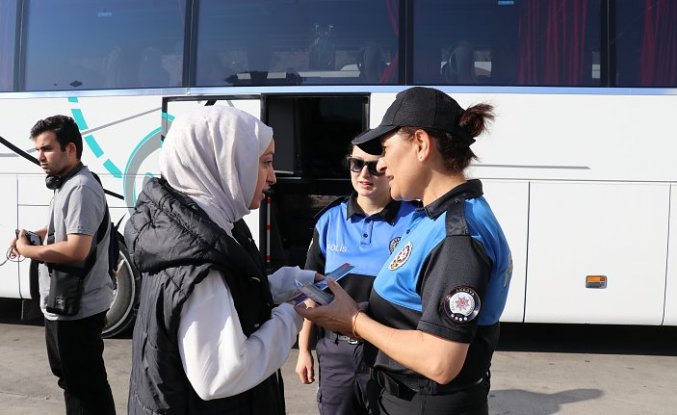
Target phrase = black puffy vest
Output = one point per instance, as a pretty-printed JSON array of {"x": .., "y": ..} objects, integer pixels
[{"x": 175, "y": 245}]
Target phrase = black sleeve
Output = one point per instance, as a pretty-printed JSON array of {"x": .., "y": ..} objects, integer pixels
[
  {"x": 314, "y": 259},
  {"x": 455, "y": 271}
]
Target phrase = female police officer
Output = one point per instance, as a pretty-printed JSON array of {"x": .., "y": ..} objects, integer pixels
[
  {"x": 434, "y": 309},
  {"x": 362, "y": 230}
]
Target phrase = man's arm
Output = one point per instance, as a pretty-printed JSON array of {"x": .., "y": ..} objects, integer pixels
[{"x": 74, "y": 249}]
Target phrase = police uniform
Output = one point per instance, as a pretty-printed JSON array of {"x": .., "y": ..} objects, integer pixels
[
  {"x": 345, "y": 234},
  {"x": 448, "y": 277}
]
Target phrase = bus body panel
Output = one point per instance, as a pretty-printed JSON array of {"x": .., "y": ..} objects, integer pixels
[
  {"x": 579, "y": 137},
  {"x": 30, "y": 217},
  {"x": 509, "y": 200},
  {"x": 9, "y": 272},
  {"x": 671, "y": 277},
  {"x": 122, "y": 142},
  {"x": 578, "y": 165},
  {"x": 617, "y": 230}
]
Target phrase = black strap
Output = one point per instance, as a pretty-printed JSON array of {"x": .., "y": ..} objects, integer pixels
[{"x": 100, "y": 234}]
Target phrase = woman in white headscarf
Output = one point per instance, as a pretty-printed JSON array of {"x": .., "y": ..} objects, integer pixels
[{"x": 208, "y": 338}]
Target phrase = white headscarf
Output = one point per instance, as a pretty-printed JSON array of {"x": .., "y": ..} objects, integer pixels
[{"x": 212, "y": 156}]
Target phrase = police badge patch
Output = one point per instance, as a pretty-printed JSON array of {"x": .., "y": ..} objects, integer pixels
[
  {"x": 461, "y": 305},
  {"x": 393, "y": 243},
  {"x": 401, "y": 257}
]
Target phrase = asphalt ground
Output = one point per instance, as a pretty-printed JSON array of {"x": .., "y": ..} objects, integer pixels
[{"x": 537, "y": 370}]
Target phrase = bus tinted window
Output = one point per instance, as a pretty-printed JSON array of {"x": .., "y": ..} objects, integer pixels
[
  {"x": 7, "y": 42},
  {"x": 104, "y": 44},
  {"x": 507, "y": 42},
  {"x": 280, "y": 42},
  {"x": 645, "y": 43}
]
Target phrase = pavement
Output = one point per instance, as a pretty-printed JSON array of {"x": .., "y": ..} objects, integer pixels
[{"x": 538, "y": 370}]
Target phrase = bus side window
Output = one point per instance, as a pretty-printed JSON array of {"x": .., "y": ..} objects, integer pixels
[{"x": 151, "y": 73}]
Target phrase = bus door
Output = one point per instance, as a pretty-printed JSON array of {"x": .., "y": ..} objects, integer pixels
[{"x": 312, "y": 137}]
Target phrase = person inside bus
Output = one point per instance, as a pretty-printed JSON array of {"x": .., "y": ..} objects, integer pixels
[
  {"x": 361, "y": 230},
  {"x": 435, "y": 305},
  {"x": 208, "y": 338}
]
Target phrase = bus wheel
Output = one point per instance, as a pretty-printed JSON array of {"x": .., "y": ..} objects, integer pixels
[{"x": 122, "y": 312}]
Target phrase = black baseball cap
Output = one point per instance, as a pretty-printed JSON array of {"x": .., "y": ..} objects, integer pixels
[{"x": 416, "y": 107}]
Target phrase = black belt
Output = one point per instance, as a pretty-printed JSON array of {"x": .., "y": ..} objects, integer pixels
[{"x": 403, "y": 386}]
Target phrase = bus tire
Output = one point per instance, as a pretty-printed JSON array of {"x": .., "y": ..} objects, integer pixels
[{"x": 122, "y": 312}]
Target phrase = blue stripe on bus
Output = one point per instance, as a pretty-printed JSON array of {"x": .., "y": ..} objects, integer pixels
[
  {"x": 136, "y": 150},
  {"x": 167, "y": 116},
  {"x": 73, "y": 99},
  {"x": 112, "y": 169},
  {"x": 79, "y": 119},
  {"x": 94, "y": 146}
]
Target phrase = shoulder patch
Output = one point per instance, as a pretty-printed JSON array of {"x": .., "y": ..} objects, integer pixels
[
  {"x": 461, "y": 305},
  {"x": 393, "y": 243},
  {"x": 401, "y": 257}
]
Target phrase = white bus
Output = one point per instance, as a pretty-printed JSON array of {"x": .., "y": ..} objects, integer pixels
[{"x": 579, "y": 165}]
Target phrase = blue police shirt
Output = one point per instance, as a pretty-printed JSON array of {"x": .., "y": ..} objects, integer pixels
[
  {"x": 448, "y": 276},
  {"x": 345, "y": 234}
]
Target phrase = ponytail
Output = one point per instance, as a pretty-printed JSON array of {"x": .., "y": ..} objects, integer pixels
[{"x": 455, "y": 147}]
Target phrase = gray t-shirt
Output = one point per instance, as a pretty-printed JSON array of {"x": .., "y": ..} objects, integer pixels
[{"x": 79, "y": 207}]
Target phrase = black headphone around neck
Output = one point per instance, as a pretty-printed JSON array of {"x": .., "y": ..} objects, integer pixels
[{"x": 54, "y": 182}]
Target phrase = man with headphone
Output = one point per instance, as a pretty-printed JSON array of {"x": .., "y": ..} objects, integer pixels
[{"x": 75, "y": 287}]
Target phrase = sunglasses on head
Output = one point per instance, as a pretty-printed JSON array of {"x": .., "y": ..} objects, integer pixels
[{"x": 356, "y": 165}]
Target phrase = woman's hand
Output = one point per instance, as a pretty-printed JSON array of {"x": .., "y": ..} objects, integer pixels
[
  {"x": 337, "y": 315},
  {"x": 305, "y": 367},
  {"x": 283, "y": 282},
  {"x": 318, "y": 277}
]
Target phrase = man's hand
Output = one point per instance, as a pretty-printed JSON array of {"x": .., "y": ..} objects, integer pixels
[
  {"x": 19, "y": 245},
  {"x": 13, "y": 252}
]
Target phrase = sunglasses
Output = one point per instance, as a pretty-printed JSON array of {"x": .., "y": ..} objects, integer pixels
[{"x": 357, "y": 164}]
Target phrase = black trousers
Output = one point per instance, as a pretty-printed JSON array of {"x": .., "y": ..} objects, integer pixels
[{"x": 75, "y": 353}]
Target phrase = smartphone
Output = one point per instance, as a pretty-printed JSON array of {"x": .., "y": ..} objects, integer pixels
[
  {"x": 336, "y": 274},
  {"x": 311, "y": 291},
  {"x": 316, "y": 291},
  {"x": 33, "y": 238}
]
